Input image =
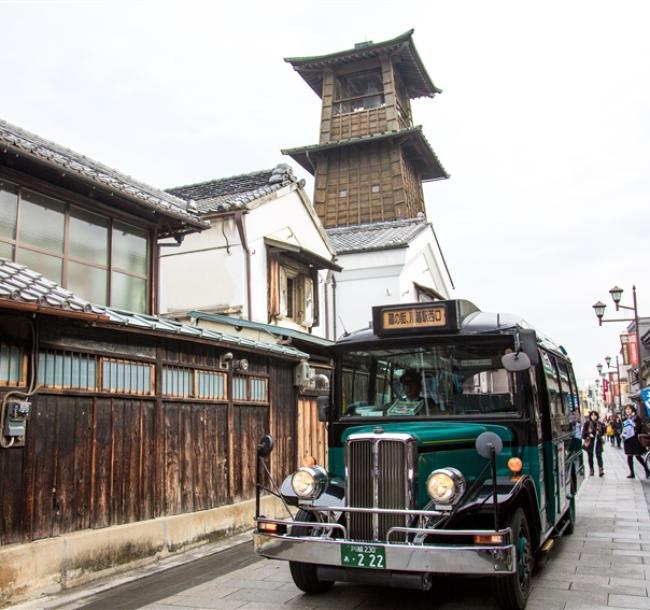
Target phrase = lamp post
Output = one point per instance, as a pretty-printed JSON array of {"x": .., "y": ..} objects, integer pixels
[
  {"x": 599, "y": 309},
  {"x": 608, "y": 361}
]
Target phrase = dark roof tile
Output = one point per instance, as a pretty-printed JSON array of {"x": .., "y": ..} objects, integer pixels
[
  {"x": 375, "y": 236},
  {"x": 235, "y": 192},
  {"x": 32, "y": 145}
]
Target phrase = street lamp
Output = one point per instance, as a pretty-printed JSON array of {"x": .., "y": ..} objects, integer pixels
[
  {"x": 599, "y": 309},
  {"x": 600, "y": 368}
]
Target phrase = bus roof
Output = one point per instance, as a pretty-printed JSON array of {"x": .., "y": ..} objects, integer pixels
[{"x": 471, "y": 322}]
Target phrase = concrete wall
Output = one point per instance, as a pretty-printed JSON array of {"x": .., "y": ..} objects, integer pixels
[{"x": 51, "y": 565}]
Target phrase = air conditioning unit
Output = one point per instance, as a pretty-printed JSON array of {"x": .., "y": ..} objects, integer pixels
[{"x": 302, "y": 374}]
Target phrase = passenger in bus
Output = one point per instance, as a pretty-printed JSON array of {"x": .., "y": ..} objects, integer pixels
[
  {"x": 632, "y": 427},
  {"x": 592, "y": 442}
]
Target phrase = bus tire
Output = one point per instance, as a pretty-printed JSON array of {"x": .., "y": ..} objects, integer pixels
[
  {"x": 512, "y": 591},
  {"x": 304, "y": 575}
]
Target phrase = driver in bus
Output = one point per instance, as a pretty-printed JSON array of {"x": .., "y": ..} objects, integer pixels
[{"x": 411, "y": 402}]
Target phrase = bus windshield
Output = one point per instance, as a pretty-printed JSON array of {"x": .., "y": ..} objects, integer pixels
[{"x": 450, "y": 379}]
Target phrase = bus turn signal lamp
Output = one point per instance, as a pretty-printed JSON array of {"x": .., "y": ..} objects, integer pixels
[
  {"x": 488, "y": 539},
  {"x": 515, "y": 465},
  {"x": 271, "y": 528}
]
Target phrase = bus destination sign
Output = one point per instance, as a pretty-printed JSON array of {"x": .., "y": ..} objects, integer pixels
[{"x": 431, "y": 316}]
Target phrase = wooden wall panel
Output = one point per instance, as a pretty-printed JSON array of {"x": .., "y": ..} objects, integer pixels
[
  {"x": 311, "y": 433},
  {"x": 251, "y": 424},
  {"x": 94, "y": 460},
  {"x": 282, "y": 421}
]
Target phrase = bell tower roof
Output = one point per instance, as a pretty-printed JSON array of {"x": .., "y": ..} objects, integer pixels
[
  {"x": 405, "y": 56},
  {"x": 411, "y": 139}
]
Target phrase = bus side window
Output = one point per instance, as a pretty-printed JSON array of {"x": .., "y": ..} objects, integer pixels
[
  {"x": 554, "y": 394},
  {"x": 567, "y": 392}
]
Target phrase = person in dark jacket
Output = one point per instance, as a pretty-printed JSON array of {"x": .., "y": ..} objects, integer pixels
[
  {"x": 632, "y": 426},
  {"x": 593, "y": 433},
  {"x": 618, "y": 428}
]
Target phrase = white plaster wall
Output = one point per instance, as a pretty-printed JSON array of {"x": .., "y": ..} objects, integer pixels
[
  {"x": 385, "y": 277},
  {"x": 204, "y": 279},
  {"x": 367, "y": 279},
  {"x": 422, "y": 266}
]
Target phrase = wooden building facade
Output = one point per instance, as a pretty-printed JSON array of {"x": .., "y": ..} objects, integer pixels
[{"x": 134, "y": 418}]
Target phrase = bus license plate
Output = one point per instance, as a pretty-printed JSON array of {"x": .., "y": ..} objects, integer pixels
[{"x": 363, "y": 556}]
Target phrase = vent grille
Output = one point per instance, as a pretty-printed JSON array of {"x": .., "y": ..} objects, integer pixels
[{"x": 378, "y": 477}]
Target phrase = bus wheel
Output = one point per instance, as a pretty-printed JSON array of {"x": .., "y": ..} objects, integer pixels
[
  {"x": 512, "y": 591},
  {"x": 304, "y": 574}
]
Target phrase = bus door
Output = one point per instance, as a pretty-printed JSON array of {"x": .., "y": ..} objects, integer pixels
[
  {"x": 557, "y": 439},
  {"x": 538, "y": 461}
]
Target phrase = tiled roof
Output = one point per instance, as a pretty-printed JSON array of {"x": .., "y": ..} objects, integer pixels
[
  {"x": 375, "y": 236},
  {"x": 412, "y": 139},
  {"x": 20, "y": 286},
  {"x": 234, "y": 193},
  {"x": 401, "y": 49},
  {"x": 31, "y": 145}
]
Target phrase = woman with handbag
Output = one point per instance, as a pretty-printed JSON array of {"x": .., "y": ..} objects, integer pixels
[
  {"x": 592, "y": 442},
  {"x": 632, "y": 427}
]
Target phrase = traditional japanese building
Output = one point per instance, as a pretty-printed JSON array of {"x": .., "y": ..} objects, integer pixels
[{"x": 371, "y": 160}]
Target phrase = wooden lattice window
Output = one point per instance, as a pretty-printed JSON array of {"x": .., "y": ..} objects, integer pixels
[
  {"x": 67, "y": 370},
  {"x": 127, "y": 377},
  {"x": 177, "y": 382},
  {"x": 250, "y": 388},
  {"x": 210, "y": 384},
  {"x": 13, "y": 365}
]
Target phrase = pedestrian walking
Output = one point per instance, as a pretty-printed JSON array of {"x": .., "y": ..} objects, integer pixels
[
  {"x": 592, "y": 442},
  {"x": 618, "y": 429},
  {"x": 632, "y": 427},
  {"x": 609, "y": 431}
]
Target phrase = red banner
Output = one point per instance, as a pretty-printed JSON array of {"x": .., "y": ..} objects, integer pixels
[{"x": 633, "y": 350}]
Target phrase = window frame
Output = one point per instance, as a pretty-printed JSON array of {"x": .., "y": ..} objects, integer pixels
[{"x": 16, "y": 244}]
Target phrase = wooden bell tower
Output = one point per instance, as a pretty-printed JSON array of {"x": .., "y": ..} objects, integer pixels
[{"x": 371, "y": 160}]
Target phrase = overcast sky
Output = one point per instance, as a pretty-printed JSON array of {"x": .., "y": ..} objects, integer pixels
[{"x": 543, "y": 123}]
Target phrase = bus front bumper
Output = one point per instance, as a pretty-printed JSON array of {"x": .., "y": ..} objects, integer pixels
[{"x": 483, "y": 560}]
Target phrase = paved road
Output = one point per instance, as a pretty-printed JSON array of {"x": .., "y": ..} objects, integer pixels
[{"x": 604, "y": 564}]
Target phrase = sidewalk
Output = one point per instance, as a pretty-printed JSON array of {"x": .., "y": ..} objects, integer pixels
[{"x": 605, "y": 564}]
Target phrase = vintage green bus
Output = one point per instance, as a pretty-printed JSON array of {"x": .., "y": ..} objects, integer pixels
[{"x": 452, "y": 450}]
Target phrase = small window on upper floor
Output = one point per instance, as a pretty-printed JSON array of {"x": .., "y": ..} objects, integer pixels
[{"x": 359, "y": 91}]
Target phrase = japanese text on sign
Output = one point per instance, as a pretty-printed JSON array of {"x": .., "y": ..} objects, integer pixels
[{"x": 414, "y": 318}]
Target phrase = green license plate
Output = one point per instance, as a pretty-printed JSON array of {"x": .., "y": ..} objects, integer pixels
[{"x": 363, "y": 556}]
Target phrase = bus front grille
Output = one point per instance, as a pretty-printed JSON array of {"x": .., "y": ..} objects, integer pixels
[{"x": 381, "y": 473}]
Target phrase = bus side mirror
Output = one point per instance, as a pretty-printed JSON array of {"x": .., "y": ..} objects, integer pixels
[
  {"x": 265, "y": 446},
  {"x": 323, "y": 406},
  {"x": 515, "y": 361},
  {"x": 528, "y": 341}
]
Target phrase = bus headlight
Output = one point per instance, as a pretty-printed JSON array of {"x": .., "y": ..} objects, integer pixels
[
  {"x": 445, "y": 485},
  {"x": 309, "y": 482}
]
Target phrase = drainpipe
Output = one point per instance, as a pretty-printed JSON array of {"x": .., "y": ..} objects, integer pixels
[
  {"x": 334, "y": 305},
  {"x": 326, "y": 298},
  {"x": 241, "y": 227}
]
